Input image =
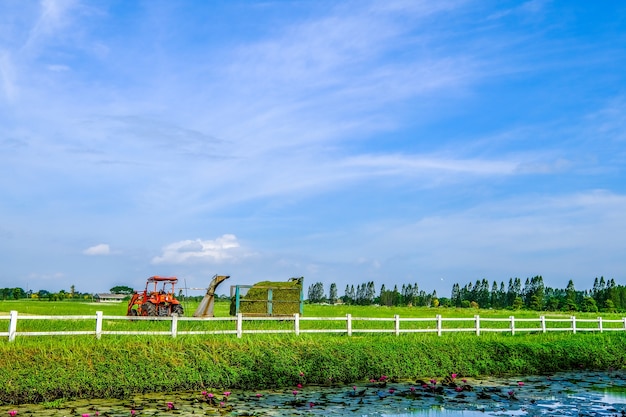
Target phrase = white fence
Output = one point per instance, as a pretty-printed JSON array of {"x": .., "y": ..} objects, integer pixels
[{"x": 475, "y": 324}]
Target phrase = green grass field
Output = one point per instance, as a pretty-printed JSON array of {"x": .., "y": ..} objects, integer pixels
[{"x": 27, "y": 308}]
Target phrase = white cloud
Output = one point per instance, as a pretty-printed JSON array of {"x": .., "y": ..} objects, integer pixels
[
  {"x": 222, "y": 249},
  {"x": 100, "y": 249}
]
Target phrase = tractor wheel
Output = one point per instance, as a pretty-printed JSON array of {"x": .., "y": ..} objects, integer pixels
[
  {"x": 133, "y": 312},
  {"x": 164, "y": 310},
  {"x": 149, "y": 309},
  {"x": 177, "y": 309}
]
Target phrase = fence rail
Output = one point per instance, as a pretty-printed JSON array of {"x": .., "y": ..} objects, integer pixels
[{"x": 296, "y": 324}]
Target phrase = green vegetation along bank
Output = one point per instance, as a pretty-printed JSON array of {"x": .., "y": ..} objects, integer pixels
[{"x": 44, "y": 369}]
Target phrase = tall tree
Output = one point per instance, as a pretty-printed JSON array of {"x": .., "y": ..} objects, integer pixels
[{"x": 332, "y": 294}]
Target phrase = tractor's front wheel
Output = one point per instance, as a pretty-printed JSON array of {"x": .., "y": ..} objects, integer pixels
[{"x": 177, "y": 309}]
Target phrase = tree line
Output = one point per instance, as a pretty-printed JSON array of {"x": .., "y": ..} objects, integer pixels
[
  {"x": 605, "y": 295},
  {"x": 534, "y": 295},
  {"x": 365, "y": 294},
  {"x": 17, "y": 293}
]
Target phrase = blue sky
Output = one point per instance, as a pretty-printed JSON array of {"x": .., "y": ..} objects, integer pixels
[{"x": 396, "y": 142}]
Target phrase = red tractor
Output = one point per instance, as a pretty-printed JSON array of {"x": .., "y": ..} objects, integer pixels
[{"x": 155, "y": 301}]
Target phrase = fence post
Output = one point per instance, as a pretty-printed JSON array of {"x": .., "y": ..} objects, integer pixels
[
  {"x": 174, "y": 325},
  {"x": 239, "y": 325},
  {"x": 542, "y": 319},
  {"x": 477, "y": 318},
  {"x": 13, "y": 325},
  {"x": 512, "y": 325},
  {"x": 98, "y": 324},
  {"x": 574, "y": 324},
  {"x": 296, "y": 324},
  {"x": 397, "y": 324},
  {"x": 438, "y": 317},
  {"x": 349, "y": 323},
  {"x": 600, "y": 324}
]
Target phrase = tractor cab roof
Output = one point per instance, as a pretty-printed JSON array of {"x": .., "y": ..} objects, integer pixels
[{"x": 156, "y": 278}]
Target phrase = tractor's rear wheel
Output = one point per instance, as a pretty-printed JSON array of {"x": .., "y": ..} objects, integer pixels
[
  {"x": 177, "y": 309},
  {"x": 149, "y": 309},
  {"x": 164, "y": 310}
]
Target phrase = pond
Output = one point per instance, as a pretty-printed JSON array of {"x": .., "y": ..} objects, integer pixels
[{"x": 564, "y": 394}]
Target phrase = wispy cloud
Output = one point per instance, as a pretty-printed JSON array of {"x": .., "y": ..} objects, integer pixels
[
  {"x": 53, "y": 16},
  {"x": 7, "y": 77},
  {"x": 99, "y": 249}
]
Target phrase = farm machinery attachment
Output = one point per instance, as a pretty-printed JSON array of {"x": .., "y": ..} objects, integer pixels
[{"x": 205, "y": 309}]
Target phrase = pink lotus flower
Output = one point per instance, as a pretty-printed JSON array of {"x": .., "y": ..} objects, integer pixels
[
  {"x": 511, "y": 393},
  {"x": 458, "y": 389},
  {"x": 301, "y": 373},
  {"x": 311, "y": 404},
  {"x": 391, "y": 390},
  {"x": 453, "y": 376},
  {"x": 258, "y": 395},
  {"x": 85, "y": 415},
  {"x": 226, "y": 393},
  {"x": 210, "y": 395},
  {"x": 13, "y": 413},
  {"x": 170, "y": 405},
  {"x": 353, "y": 387},
  {"x": 372, "y": 380},
  {"x": 132, "y": 412},
  {"x": 294, "y": 392},
  {"x": 464, "y": 381},
  {"x": 521, "y": 384},
  {"x": 299, "y": 385},
  {"x": 412, "y": 389},
  {"x": 203, "y": 393},
  {"x": 221, "y": 404}
]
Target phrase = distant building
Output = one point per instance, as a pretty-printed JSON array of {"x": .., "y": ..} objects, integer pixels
[{"x": 109, "y": 298}]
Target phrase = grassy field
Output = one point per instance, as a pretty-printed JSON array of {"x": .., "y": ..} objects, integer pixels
[
  {"x": 44, "y": 368},
  {"x": 487, "y": 317}
]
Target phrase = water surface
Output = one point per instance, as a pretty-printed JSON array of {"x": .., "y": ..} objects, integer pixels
[{"x": 564, "y": 394}]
